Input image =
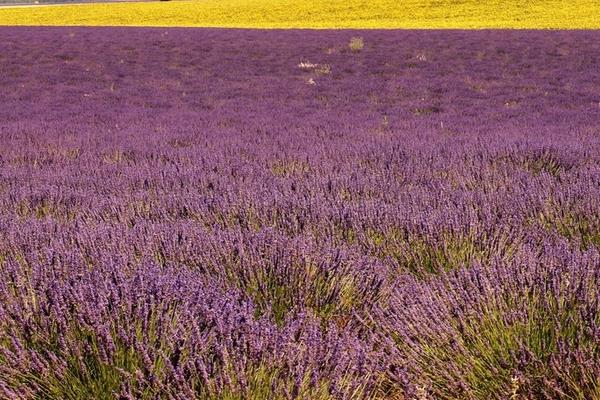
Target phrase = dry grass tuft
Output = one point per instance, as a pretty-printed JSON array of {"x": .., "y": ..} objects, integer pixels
[{"x": 356, "y": 44}]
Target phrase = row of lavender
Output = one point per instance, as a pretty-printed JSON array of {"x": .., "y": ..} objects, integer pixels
[{"x": 220, "y": 214}]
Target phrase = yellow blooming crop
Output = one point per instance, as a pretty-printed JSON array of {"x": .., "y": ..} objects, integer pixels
[{"x": 559, "y": 14}]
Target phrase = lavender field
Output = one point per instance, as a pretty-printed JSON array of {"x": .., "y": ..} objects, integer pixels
[{"x": 240, "y": 214}]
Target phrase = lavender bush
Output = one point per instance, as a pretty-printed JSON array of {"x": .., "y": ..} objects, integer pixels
[
  {"x": 220, "y": 214},
  {"x": 529, "y": 329}
]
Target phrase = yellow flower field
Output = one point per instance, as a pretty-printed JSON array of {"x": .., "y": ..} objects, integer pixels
[{"x": 554, "y": 14}]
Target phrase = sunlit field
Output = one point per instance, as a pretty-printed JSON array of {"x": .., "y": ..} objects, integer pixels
[
  {"x": 557, "y": 14},
  {"x": 317, "y": 215},
  {"x": 300, "y": 214}
]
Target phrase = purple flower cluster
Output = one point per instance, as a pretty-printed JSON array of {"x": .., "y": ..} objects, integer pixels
[{"x": 241, "y": 214}]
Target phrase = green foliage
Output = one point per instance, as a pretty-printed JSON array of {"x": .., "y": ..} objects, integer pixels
[
  {"x": 423, "y": 255},
  {"x": 577, "y": 226},
  {"x": 85, "y": 370},
  {"x": 544, "y": 161},
  {"x": 287, "y": 168},
  {"x": 265, "y": 383},
  {"x": 305, "y": 285},
  {"x": 504, "y": 353}
]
